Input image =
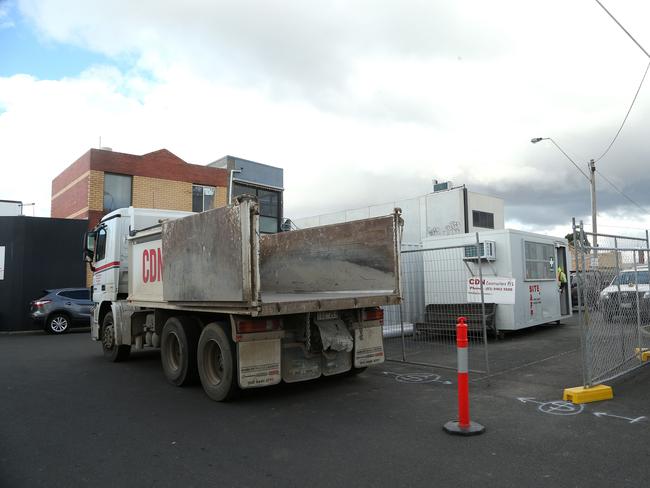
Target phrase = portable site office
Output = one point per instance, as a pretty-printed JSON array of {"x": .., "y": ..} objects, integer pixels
[{"x": 531, "y": 259}]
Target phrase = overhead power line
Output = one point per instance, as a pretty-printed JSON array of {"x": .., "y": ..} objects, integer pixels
[
  {"x": 640, "y": 84},
  {"x": 624, "y": 29},
  {"x": 621, "y": 192},
  {"x": 626, "y": 115},
  {"x": 628, "y": 110}
]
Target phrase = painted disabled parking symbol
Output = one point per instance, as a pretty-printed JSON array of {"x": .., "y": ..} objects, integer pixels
[
  {"x": 417, "y": 378},
  {"x": 561, "y": 408},
  {"x": 557, "y": 407}
]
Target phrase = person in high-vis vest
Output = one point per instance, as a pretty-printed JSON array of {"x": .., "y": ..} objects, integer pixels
[{"x": 561, "y": 278}]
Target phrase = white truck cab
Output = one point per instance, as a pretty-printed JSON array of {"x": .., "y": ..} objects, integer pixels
[{"x": 110, "y": 250}]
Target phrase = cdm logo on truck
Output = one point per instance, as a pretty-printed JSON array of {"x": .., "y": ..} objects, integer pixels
[
  {"x": 235, "y": 309},
  {"x": 152, "y": 265}
]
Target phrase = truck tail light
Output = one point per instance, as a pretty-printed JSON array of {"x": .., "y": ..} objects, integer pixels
[
  {"x": 373, "y": 314},
  {"x": 247, "y": 326},
  {"x": 40, "y": 303}
]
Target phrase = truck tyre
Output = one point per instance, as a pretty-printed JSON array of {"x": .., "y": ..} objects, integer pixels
[
  {"x": 178, "y": 344},
  {"x": 216, "y": 361},
  {"x": 112, "y": 351}
]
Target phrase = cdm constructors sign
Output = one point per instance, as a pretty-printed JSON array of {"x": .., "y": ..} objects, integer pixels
[{"x": 495, "y": 290}]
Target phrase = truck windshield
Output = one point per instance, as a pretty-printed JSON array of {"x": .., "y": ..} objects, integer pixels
[{"x": 630, "y": 278}]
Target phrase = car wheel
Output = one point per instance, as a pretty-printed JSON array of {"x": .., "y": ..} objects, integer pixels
[
  {"x": 112, "y": 351},
  {"x": 57, "y": 323}
]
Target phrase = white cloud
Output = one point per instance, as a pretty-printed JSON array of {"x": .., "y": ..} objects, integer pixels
[
  {"x": 360, "y": 102},
  {"x": 6, "y": 22}
]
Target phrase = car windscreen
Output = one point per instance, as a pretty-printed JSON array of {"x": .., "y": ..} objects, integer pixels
[{"x": 631, "y": 278}]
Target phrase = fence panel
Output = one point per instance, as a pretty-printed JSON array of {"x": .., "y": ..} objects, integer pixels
[
  {"x": 434, "y": 294},
  {"x": 614, "y": 304}
]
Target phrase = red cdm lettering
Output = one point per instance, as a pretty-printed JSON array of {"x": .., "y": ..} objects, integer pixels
[
  {"x": 153, "y": 265},
  {"x": 145, "y": 264},
  {"x": 160, "y": 265}
]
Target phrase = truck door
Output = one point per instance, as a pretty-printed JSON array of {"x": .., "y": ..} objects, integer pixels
[{"x": 107, "y": 264}]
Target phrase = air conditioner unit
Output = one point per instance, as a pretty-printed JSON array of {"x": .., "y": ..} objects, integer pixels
[{"x": 487, "y": 251}]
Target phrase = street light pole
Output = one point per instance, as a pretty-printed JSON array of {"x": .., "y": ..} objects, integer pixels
[
  {"x": 591, "y": 177},
  {"x": 592, "y": 173}
]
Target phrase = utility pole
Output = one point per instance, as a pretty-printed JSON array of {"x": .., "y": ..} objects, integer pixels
[
  {"x": 591, "y": 177},
  {"x": 592, "y": 180}
]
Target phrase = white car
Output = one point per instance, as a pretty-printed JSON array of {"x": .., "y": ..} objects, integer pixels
[{"x": 620, "y": 297}]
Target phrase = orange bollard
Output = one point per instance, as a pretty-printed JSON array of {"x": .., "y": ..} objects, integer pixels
[{"x": 463, "y": 426}]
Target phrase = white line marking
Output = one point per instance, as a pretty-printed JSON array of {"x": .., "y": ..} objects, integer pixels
[{"x": 629, "y": 419}]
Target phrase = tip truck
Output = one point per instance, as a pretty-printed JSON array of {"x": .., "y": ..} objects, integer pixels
[{"x": 235, "y": 309}]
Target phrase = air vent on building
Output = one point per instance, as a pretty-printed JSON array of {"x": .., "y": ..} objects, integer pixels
[
  {"x": 287, "y": 225},
  {"x": 447, "y": 185}
]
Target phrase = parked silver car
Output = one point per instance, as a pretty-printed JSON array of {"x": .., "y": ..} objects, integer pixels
[{"x": 61, "y": 309}]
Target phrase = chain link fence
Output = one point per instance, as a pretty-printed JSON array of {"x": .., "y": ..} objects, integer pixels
[
  {"x": 613, "y": 298},
  {"x": 422, "y": 330}
]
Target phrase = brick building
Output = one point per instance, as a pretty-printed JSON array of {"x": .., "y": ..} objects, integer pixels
[{"x": 103, "y": 180}]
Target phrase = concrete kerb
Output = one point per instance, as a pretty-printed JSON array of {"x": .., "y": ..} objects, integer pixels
[{"x": 37, "y": 331}]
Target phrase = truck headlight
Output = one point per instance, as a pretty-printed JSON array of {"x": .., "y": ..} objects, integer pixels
[
  {"x": 646, "y": 295},
  {"x": 604, "y": 295}
]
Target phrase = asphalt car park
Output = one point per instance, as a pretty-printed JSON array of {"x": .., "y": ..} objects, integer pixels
[{"x": 70, "y": 418}]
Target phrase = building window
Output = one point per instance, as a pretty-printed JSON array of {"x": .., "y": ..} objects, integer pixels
[
  {"x": 483, "y": 219},
  {"x": 117, "y": 191},
  {"x": 202, "y": 198},
  {"x": 270, "y": 202},
  {"x": 540, "y": 261}
]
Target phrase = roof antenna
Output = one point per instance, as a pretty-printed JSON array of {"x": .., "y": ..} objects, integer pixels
[{"x": 100, "y": 143}]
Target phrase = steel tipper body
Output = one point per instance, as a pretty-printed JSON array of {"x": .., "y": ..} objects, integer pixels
[{"x": 237, "y": 309}]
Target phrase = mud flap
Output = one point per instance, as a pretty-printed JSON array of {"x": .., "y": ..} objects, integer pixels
[
  {"x": 369, "y": 347},
  {"x": 296, "y": 366},
  {"x": 259, "y": 363},
  {"x": 334, "y": 335},
  {"x": 336, "y": 362}
]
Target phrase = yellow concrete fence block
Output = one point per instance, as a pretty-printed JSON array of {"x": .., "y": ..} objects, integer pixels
[{"x": 580, "y": 394}]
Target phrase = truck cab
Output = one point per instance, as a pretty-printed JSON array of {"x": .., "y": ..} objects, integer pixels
[{"x": 107, "y": 252}]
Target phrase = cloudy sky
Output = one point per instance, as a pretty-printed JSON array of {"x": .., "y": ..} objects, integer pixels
[{"x": 360, "y": 101}]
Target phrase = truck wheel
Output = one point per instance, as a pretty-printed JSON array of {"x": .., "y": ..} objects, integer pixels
[
  {"x": 216, "y": 361},
  {"x": 178, "y": 344},
  {"x": 112, "y": 351}
]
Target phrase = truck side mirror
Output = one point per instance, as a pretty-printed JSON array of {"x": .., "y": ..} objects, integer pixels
[{"x": 89, "y": 247}]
